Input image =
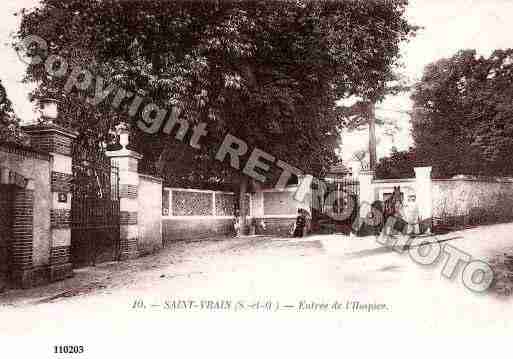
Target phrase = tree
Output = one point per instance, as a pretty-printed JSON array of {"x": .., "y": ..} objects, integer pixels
[
  {"x": 400, "y": 164},
  {"x": 362, "y": 114},
  {"x": 267, "y": 72},
  {"x": 463, "y": 118},
  {"x": 9, "y": 122}
]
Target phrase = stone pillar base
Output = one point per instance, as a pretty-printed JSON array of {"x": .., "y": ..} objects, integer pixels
[
  {"x": 129, "y": 249},
  {"x": 60, "y": 272},
  {"x": 22, "y": 278},
  {"x": 125, "y": 256}
]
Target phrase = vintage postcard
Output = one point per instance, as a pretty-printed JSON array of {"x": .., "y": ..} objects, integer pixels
[{"x": 250, "y": 178}]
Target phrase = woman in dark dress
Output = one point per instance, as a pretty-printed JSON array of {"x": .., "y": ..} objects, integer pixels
[{"x": 300, "y": 223}]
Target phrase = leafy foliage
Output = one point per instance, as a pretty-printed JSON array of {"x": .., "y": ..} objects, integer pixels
[
  {"x": 9, "y": 122},
  {"x": 268, "y": 72},
  {"x": 463, "y": 118},
  {"x": 400, "y": 164}
]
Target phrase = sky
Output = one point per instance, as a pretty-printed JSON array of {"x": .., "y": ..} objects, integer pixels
[{"x": 448, "y": 26}]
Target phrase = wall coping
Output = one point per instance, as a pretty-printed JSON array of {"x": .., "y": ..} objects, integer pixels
[
  {"x": 50, "y": 127},
  {"x": 197, "y": 217},
  {"x": 278, "y": 216},
  {"x": 267, "y": 216},
  {"x": 284, "y": 190},
  {"x": 279, "y": 190},
  {"x": 124, "y": 153},
  {"x": 25, "y": 151},
  {"x": 198, "y": 190},
  {"x": 403, "y": 180},
  {"x": 151, "y": 178},
  {"x": 504, "y": 180}
]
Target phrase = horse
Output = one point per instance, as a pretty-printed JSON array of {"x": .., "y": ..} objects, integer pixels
[{"x": 391, "y": 207}]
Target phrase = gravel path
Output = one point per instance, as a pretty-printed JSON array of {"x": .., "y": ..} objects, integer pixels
[{"x": 271, "y": 278}]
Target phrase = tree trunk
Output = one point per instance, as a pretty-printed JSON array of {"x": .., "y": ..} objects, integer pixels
[
  {"x": 243, "y": 211},
  {"x": 372, "y": 137}
]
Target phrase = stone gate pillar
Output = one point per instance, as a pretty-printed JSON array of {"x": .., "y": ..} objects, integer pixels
[
  {"x": 367, "y": 195},
  {"x": 127, "y": 161},
  {"x": 424, "y": 192},
  {"x": 58, "y": 142}
]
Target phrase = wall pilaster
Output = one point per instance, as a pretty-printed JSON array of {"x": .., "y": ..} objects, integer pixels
[
  {"x": 367, "y": 195},
  {"x": 424, "y": 192}
]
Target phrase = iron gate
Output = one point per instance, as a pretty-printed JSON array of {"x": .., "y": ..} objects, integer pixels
[
  {"x": 95, "y": 210},
  {"x": 338, "y": 207}
]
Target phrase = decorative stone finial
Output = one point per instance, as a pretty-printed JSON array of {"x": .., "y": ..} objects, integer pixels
[
  {"x": 123, "y": 132},
  {"x": 123, "y": 140}
]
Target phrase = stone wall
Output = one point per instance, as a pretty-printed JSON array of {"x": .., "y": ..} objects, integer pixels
[
  {"x": 457, "y": 197},
  {"x": 277, "y": 226},
  {"x": 277, "y": 210},
  {"x": 176, "y": 229},
  {"x": 278, "y": 203},
  {"x": 149, "y": 214}
]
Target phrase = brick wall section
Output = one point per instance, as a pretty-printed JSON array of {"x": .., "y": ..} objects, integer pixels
[
  {"x": 127, "y": 163},
  {"x": 60, "y": 255},
  {"x": 127, "y": 218},
  {"x": 52, "y": 143},
  {"x": 24, "y": 151},
  {"x": 32, "y": 200},
  {"x": 183, "y": 229},
  {"x": 22, "y": 229},
  {"x": 128, "y": 248},
  {"x": 6, "y": 197},
  {"x": 60, "y": 218},
  {"x": 128, "y": 191},
  {"x": 61, "y": 182}
]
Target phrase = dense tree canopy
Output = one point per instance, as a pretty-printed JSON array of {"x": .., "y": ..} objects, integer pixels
[
  {"x": 268, "y": 72},
  {"x": 400, "y": 164},
  {"x": 9, "y": 122},
  {"x": 463, "y": 118}
]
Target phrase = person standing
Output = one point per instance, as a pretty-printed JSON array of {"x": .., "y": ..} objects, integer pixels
[
  {"x": 300, "y": 223},
  {"x": 412, "y": 215}
]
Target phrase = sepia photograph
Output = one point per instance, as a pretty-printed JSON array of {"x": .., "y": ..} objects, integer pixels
[{"x": 256, "y": 178}]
